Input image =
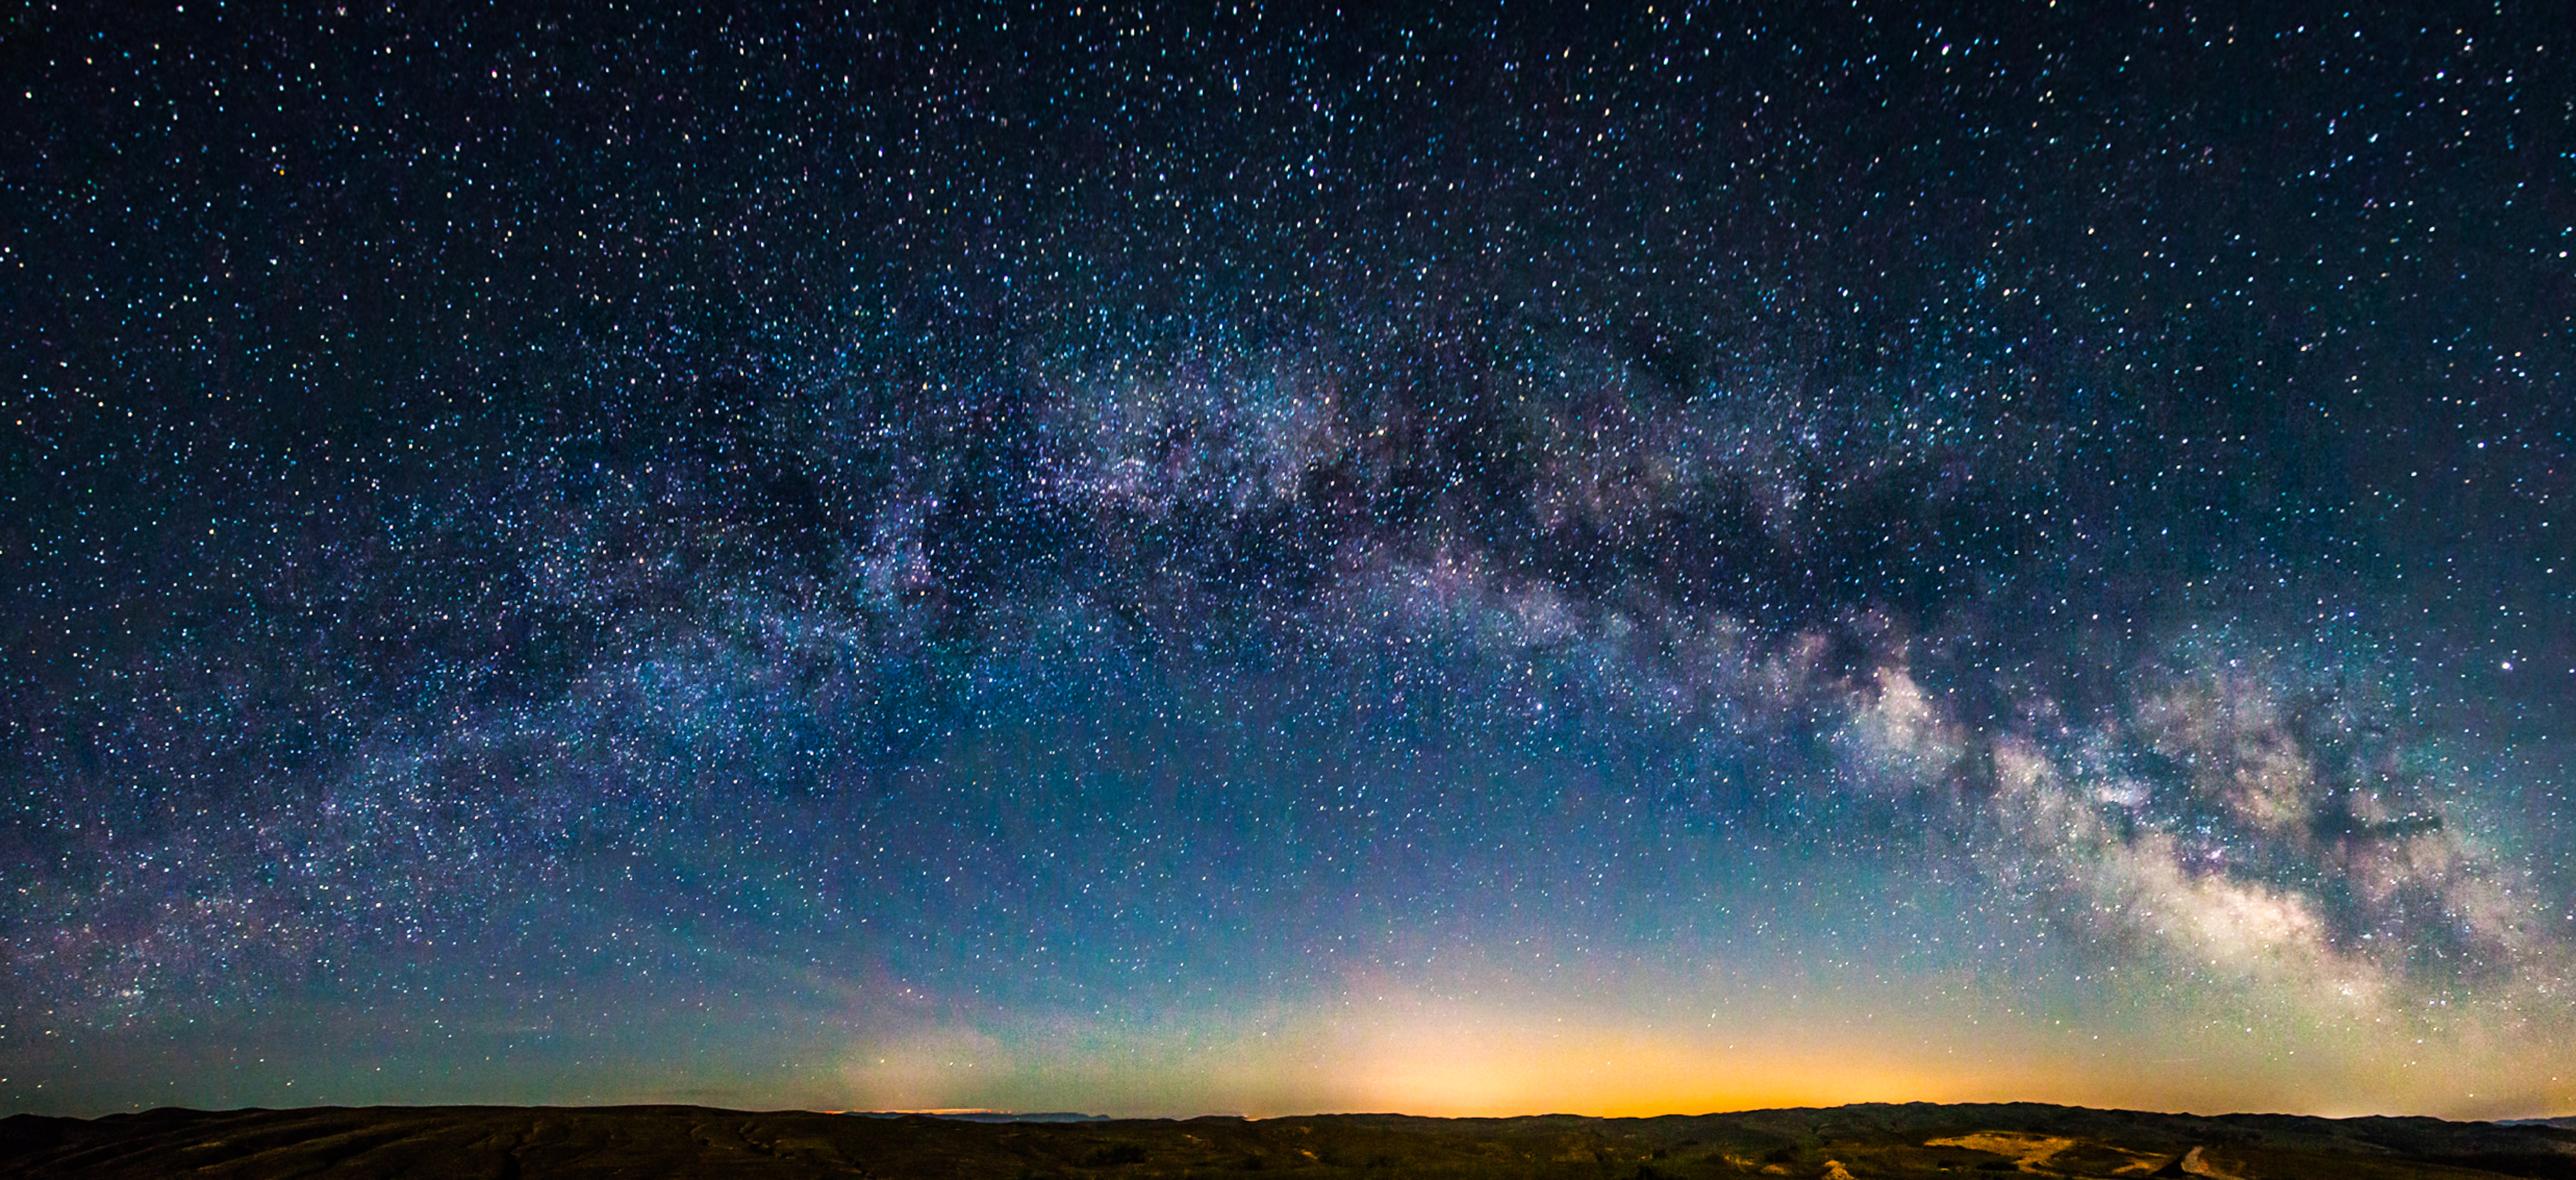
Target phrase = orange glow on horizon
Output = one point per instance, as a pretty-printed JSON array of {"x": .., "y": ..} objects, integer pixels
[
  {"x": 1549, "y": 1067},
  {"x": 1418, "y": 1053}
]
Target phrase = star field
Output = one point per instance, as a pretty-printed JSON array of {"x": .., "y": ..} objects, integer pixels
[{"x": 1661, "y": 558}]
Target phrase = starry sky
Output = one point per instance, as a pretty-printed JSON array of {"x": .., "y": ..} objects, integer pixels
[{"x": 1241, "y": 560}]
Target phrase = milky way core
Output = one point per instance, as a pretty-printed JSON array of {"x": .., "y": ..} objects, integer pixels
[{"x": 1086, "y": 558}]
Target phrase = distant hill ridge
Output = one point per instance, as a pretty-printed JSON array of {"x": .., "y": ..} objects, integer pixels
[
  {"x": 1862, "y": 1142},
  {"x": 987, "y": 1116}
]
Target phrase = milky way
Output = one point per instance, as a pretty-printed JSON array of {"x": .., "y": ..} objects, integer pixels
[{"x": 1124, "y": 561}]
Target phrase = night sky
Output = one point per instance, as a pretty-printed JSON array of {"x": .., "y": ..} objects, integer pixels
[{"x": 1625, "y": 561}]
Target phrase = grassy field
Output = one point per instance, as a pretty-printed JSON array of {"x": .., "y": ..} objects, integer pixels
[{"x": 1843, "y": 1143}]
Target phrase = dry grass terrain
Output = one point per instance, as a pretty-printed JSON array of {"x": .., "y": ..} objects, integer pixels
[{"x": 1843, "y": 1143}]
